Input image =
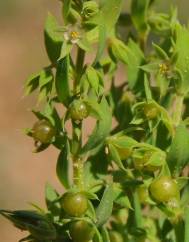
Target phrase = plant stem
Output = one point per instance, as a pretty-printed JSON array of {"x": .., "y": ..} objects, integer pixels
[
  {"x": 179, "y": 231},
  {"x": 77, "y": 127},
  {"x": 78, "y": 173},
  {"x": 137, "y": 210},
  {"x": 186, "y": 225},
  {"x": 177, "y": 115},
  {"x": 142, "y": 40}
]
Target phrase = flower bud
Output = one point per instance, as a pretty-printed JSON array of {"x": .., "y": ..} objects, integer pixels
[{"x": 90, "y": 9}]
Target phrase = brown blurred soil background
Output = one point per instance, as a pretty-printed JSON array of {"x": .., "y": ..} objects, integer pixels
[{"x": 23, "y": 174}]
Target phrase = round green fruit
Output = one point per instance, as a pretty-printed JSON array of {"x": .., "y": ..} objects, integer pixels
[
  {"x": 43, "y": 131},
  {"x": 78, "y": 110},
  {"x": 164, "y": 189},
  {"x": 74, "y": 204},
  {"x": 115, "y": 236},
  {"x": 81, "y": 231},
  {"x": 150, "y": 111}
]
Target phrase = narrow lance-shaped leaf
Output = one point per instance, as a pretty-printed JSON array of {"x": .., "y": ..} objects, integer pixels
[
  {"x": 101, "y": 43},
  {"x": 106, "y": 19},
  {"x": 53, "y": 39},
  {"x": 93, "y": 78},
  {"x": 104, "y": 210},
  {"x": 178, "y": 156},
  {"x": 32, "y": 83},
  {"x": 135, "y": 58},
  {"x": 37, "y": 224},
  {"x": 108, "y": 14},
  {"x": 62, "y": 80},
  {"x": 114, "y": 155},
  {"x": 63, "y": 168},
  {"x": 182, "y": 63},
  {"x": 139, "y": 14},
  {"x": 105, "y": 235},
  {"x": 50, "y": 196},
  {"x": 66, "y": 9}
]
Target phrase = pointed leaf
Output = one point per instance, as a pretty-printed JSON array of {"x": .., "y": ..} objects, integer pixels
[
  {"x": 104, "y": 210},
  {"x": 62, "y": 80},
  {"x": 63, "y": 166}
]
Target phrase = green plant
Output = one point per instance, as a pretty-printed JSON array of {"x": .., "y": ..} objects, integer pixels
[{"x": 128, "y": 182}]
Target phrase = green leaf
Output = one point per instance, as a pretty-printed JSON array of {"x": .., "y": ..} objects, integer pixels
[
  {"x": 32, "y": 83},
  {"x": 157, "y": 159},
  {"x": 63, "y": 166},
  {"x": 93, "y": 78},
  {"x": 150, "y": 67},
  {"x": 182, "y": 64},
  {"x": 91, "y": 211},
  {"x": 98, "y": 236},
  {"x": 160, "y": 52},
  {"x": 101, "y": 42},
  {"x": 182, "y": 182},
  {"x": 65, "y": 49},
  {"x": 120, "y": 50},
  {"x": 45, "y": 84},
  {"x": 95, "y": 172},
  {"x": 108, "y": 14},
  {"x": 84, "y": 44},
  {"x": 101, "y": 131},
  {"x": 122, "y": 141},
  {"x": 121, "y": 198},
  {"x": 139, "y": 10},
  {"x": 62, "y": 80},
  {"x": 53, "y": 39},
  {"x": 66, "y": 9},
  {"x": 163, "y": 83},
  {"x": 106, "y": 19},
  {"x": 147, "y": 88},
  {"x": 178, "y": 156},
  {"x": 90, "y": 195},
  {"x": 51, "y": 196},
  {"x": 104, "y": 209},
  {"x": 94, "y": 108},
  {"x": 114, "y": 155},
  {"x": 105, "y": 235},
  {"x": 135, "y": 60},
  {"x": 46, "y": 76},
  {"x": 36, "y": 223}
]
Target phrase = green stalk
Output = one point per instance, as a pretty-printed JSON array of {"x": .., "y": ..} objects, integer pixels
[
  {"x": 179, "y": 231},
  {"x": 186, "y": 225},
  {"x": 77, "y": 127},
  {"x": 143, "y": 40},
  {"x": 177, "y": 115},
  {"x": 137, "y": 210}
]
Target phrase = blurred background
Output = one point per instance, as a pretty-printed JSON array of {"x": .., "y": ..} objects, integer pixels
[{"x": 23, "y": 174}]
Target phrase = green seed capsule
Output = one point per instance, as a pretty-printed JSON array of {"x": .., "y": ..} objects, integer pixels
[
  {"x": 163, "y": 189},
  {"x": 81, "y": 231},
  {"x": 43, "y": 131},
  {"x": 74, "y": 204},
  {"x": 78, "y": 110}
]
